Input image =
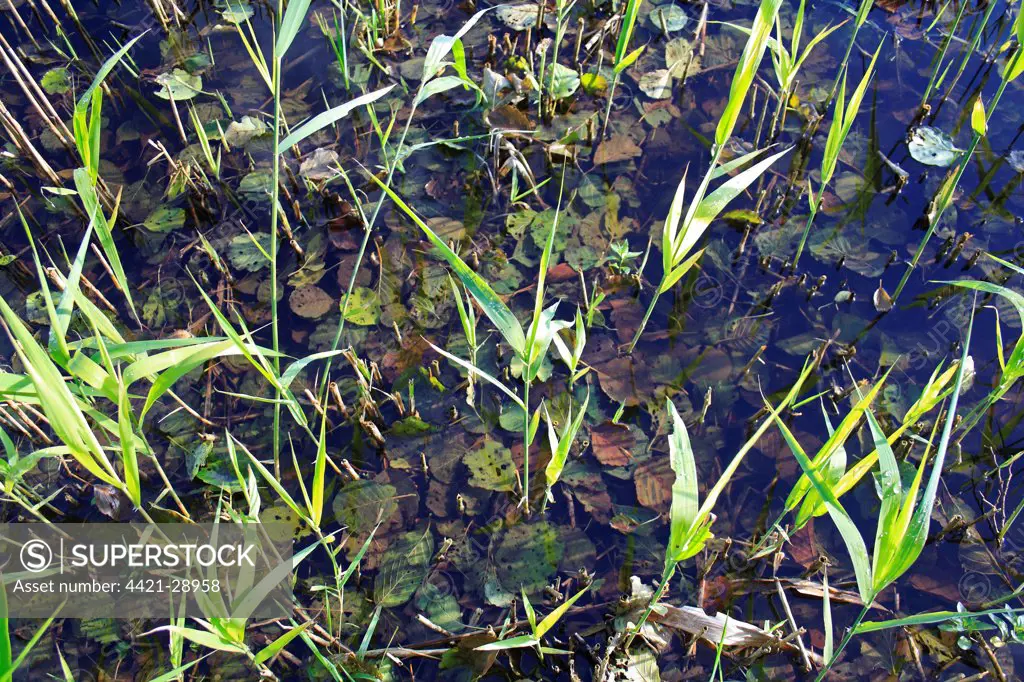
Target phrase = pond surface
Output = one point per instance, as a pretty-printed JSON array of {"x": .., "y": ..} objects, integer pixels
[{"x": 429, "y": 462}]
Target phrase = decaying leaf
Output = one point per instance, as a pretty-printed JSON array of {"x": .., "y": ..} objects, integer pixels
[
  {"x": 359, "y": 504},
  {"x": 656, "y": 84},
  {"x": 612, "y": 444},
  {"x": 363, "y": 307},
  {"x": 615, "y": 149},
  {"x": 403, "y": 568},
  {"x": 881, "y": 299},
  {"x": 527, "y": 556},
  {"x": 730, "y": 632},
  {"x": 490, "y": 466},
  {"x": 518, "y": 17},
  {"x": 310, "y": 302}
]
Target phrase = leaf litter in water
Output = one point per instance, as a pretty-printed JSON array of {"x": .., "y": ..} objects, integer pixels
[
  {"x": 363, "y": 307},
  {"x": 310, "y": 302},
  {"x": 491, "y": 467}
]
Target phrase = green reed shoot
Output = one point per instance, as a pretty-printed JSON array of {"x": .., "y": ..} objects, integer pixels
[
  {"x": 860, "y": 18},
  {"x": 936, "y": 389},
  {"x": 746, "y": 69},
  {"x": 787, "y": 61},
  {"x": 842, "y": 121},
  {"x": 432, "y": 82},
  {"x": 291, "y": 20},
  {"x": 87, "y": 125},
  {"x": 681, "y": 233},
  {"x": 338, "y": 40},
  {"x": 935, "y": 79},
  {"x": 537, "y": 629},
  {"x": 903, "y": 523},
  {"x": 622, "y": 60},
  {"x": 9, "y": 665},
  {"x": 560, "y": 444},
  {"x": 1011, "y": 367},
  {"x": 969, "y": 51},
  {"x": 689, "y": 521},
  {"x": 530, "y": 346}
]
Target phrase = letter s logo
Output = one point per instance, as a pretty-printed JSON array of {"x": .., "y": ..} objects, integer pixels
[{"x": 36, "y": 556}]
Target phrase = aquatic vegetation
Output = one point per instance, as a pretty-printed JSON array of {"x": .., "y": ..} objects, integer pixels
[
  {"x": 682, "y": 231},
  {"x": 943, "y": 196},
  {"x": 903, "y": 522},
  {"x": 8, "y": 663},
  {"x": 537, "y": 630},
  {"x": 843, "y": 116},
  {"x": 328, "y": 269},
  {"x": 530, "y": 346}
]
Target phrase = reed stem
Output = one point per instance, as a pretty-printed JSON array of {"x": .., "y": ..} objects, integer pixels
[{"x": 842, "y": 645}]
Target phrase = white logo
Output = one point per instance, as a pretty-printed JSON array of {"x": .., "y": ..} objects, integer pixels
[{"x": 36, "y": 556}]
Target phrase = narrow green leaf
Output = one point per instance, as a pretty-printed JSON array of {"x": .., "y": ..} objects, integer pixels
[
  {"x": 291, "y": 23},
  {"x": 685, "y": 492},
  {"x": 326, "y": 118},
  {"x": 978, "y": 121},
  {"x": 209, "y": 640},
  {"x": 715, "y": 202},
  {"x": 847, "y": 529},
  {"x": 749, "y": 62},
  {"x": 513, "y": 643},
  {"x": 129, "y": 457},
  {"x": 91, "y": 204},
  {"x": 490, "y": 303},
  {"x": 275, "y": 647},
  {"x": 552, "y": 618},
  {"x": 480, "y": 373},
  {"x": 105, "y": 69},
  {"x": 319, "y": 475}
]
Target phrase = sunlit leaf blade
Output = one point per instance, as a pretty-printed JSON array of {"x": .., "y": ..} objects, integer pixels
[
  {"x": 978, "y": 122},
  {"x": 837, "y": 438},
  {"x": 291, "y": 23},
  {"x": 275, "y": 647},
  {"x": 443, "y": 44},
  {"x": 626, "y": 32},
  {"x": 552, "y": 618},
  {"x": 105, "y": 69},
  {"x": 685, "y": 501},
  {"x": 519, "y": 642},
  {"x": 59, "y": 405},
  {"x": 489, "y": 302},
  {"x": 847, "y": 529},
  {"x": 480, "y": 373},
  {"x": 129, "y": 456},
  {"x": 91, "y": 203},
  {"x": 917, "y": 532},
  {"x": 749, "y": 62},
  {"x": 715, "y": 202},
  {"x": 326, "y": 118}
]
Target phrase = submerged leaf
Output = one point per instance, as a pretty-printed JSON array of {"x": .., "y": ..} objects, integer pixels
[
  {"x": 165, "y": 219},
  {"x": 178, "y": 85},
  {"x": 362, "y": 307},
  {"x": 310, "y": 302},
  {"x": 491, "y": 467},
  {"x": 562, "y": 81}
]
